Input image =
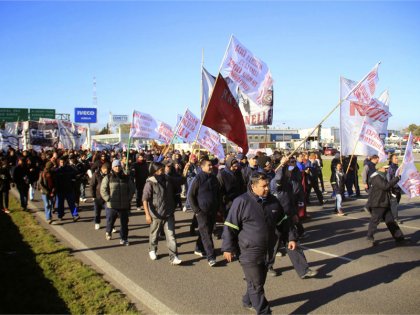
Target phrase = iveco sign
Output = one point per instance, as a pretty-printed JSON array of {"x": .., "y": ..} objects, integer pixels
[{"x": 85, "y": 115}]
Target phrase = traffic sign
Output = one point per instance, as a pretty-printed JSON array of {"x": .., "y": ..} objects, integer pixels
[
  {"x": 13, "y": 114},
  {"x": 37, "y": 113},
  {"x": 85, "y": 115}
]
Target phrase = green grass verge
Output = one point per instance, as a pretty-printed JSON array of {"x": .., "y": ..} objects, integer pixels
[{"x": 39, "y": 275}]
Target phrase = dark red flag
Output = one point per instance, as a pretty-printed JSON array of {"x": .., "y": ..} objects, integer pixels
[{"x": 224, "y": 115}]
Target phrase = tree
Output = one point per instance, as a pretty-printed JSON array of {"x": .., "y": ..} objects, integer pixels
[{"x": 104, "y": 130}]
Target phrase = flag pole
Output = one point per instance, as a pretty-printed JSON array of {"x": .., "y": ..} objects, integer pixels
[
  {"x": 129, "y": 143},
  {"x": 328, "y": 115},
  {"x": 176, "y": 132},
  {"x": 341, "y": 129}
]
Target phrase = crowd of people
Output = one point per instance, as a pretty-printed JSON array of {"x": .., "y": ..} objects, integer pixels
[{"x": 261, "y": 200}]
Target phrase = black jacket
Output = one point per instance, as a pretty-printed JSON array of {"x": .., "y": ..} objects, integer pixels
[
  {"x": 231, "y": 186},
  {"x": 204, "y": 193},
  {"x": 141, "y": 173},
  {"x": 251, "y": 224},
  {"x": 5, "y": 179},
  {"x": 337, "y": 181},
  {"x": 95, "y": 184},
  {"x": 380, "y": 189}
]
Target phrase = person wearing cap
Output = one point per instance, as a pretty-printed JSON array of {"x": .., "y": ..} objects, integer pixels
[
  {"x": 117, "y": 189},
  {"x": 159, "y": 208},
  {"x": 251, "y": 169},
  {"x": 379, "y": 205},
  {"x": 46, "y": 184}
]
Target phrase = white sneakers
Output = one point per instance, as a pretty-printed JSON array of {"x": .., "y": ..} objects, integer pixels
[
  {"x": 176, "y": 261},
  {"x": 97, "y": 226},
  {"x": 152, "y": 255}
]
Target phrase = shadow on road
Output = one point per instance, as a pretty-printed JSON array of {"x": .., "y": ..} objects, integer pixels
[{"x": 314, "y": 299}]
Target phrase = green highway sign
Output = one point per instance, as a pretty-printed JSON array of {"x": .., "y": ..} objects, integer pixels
[
  {"x": 37, "y": 113},
  {"x": 13, "y": 114}
]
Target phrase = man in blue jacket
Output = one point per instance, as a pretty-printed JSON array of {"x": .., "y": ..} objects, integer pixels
[{"x": 250, "y": 232}]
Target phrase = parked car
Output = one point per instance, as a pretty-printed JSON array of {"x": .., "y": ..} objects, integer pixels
[{"x": 330, "y": 151}]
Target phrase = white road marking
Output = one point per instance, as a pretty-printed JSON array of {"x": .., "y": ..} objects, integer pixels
[{"x": 327, "y": 254}]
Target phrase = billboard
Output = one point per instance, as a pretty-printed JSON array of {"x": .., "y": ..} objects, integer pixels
[
  {"x": 85, "y": 115},
  {"x": 37, "y": 113},
  {"x": 13, "y": 114}
]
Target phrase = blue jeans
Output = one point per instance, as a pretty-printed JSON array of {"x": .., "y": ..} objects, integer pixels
[
  {"x": 70, "y": 202},
  {"x": 338, "y": 201},
  {"x": 48, "y": 206}
]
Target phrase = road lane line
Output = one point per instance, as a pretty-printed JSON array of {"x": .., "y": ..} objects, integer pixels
[{"x": 327, "y": 254}]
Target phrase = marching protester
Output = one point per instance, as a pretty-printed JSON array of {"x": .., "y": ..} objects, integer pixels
[
  {"x": 21, "y": 179},
  {"x": 249, "y": 232},
  {"x": 83, "y": 166},
  {"x": 313, "y": 169},
  {"x": 192, "y": 172},
  {"x": 140, "y": 171},
  {"x": 281, "y": 186},
  {"x": 395, "y": 196},
  {"x": 250, "y": 169},
  {"x": 231, "y": 183},
  {"x": 117, "y": 189},
  {"x": 5, "y": 183},
  {"x": 368, "y": 169},
  {"x": 65, "y": 189},
  {"x": 47, "y": 185},
  {"x": 338, "y": 179},
  {"x": 380, "y": 206},
  {"x": 95, "y": 188},
  {"x": 33, "y": 175},
  {"x": 159, "y": 207},
  {"x": 204, "y": 196}
]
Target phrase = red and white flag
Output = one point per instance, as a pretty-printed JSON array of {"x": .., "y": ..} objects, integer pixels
[
  {"x": 188, "y": 127},
  {"x": 250, "y": 81},
  {"x": 224, "y": 116},
  {"x": 410, "y": 176},
  {"x": 365, "y": 89},
  {"x": 354, "y": 109},
  {"x": 370, "y": 137}
]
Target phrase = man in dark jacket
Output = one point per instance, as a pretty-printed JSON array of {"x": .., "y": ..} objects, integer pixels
[
  {"x": 250, "y": 169},
  {"x": 159, "y": 207},
  {"x": 379, "y": 205},
  {"x": 204, "y": 196},
  {"x": 140, "y": 171},
  {"x": 231, "y": 183},
  {"x": 250, "y": 231},
  {"x": 65, "y": 178},
  {"x": 95, "y": 186},
  {"x": 5, "y": 181},
  {"x": 117, "y": 189}
]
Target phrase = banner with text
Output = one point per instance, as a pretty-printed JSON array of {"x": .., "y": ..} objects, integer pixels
[
  {"x": 188, "y": 127},
  {"x": 249, "y": 79},
  {"x": 410, "y": 176}
]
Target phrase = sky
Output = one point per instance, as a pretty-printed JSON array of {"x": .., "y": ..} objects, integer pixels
[{"x": 147, "y": 56}]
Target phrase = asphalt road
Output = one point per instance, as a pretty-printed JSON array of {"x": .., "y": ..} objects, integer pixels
[{"x": 353, "y": 278}]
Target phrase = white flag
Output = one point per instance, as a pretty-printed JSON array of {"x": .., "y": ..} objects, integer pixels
[
  {"x": 365, "y": 89},
  {"x": 410, "y": 177},
  {"x": 188, "y": 127},
  {"x": 370, "y": 137},
  {"x": 207, "y": 84},
  {"x": 210, "y": 140},
  {"x": 353, "y": 110},
  {"x": 247, "y": 72},
  {"x": 165, "y": 132},
  {"x": 143, "y": 126}
]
